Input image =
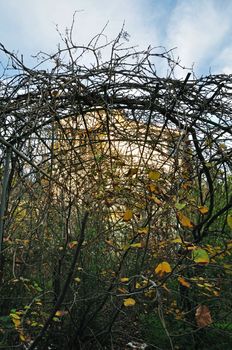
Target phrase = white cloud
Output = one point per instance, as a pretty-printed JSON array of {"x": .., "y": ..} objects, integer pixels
[
  {"x": 223, "y": 62},
  {"x": 30, "y": 25},
  {"x": 198, "y": 29}
]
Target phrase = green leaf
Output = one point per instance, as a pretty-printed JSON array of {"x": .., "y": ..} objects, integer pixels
[
  {"x": 200, "y": 256},
  {"x": 180, "y": 206},
  {"x": 229, "y": 221}
]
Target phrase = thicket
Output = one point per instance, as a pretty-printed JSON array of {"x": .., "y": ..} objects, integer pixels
[{"x": 115, "y": 217}]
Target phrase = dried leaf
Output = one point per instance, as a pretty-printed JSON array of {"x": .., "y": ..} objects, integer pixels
[
  {"x": 55, "y": 93},
  {"x": 203, "y": 316},
  {"x": 184, "y": 220},
  {"x": 183, "y": 282},
  {"x": 164, "y": 286},
  {"x": 163, "y": 268},
  {"x": 129, "y": 302},
  {"x": 109, "y": 242},
  {"x": 132, "y": 172},
  {"x": 127, "y": 215}
]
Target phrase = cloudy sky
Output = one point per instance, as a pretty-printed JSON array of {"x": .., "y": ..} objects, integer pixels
[{"x": 199, "y": 30}]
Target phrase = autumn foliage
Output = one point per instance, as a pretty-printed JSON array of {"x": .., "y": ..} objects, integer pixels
[{"x": 116, "y": 207}]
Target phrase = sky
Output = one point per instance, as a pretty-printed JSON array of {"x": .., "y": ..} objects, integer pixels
[{"x": 198, "y": 31}]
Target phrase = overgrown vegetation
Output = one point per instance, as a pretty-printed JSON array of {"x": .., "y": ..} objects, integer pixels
[{"x": 116, "y": 202}]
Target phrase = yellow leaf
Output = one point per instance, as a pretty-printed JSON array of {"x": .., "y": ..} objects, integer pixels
[
  {"x": 183, "y": 282},
  {"x": 20, "y": 312},
  {"x": 72, "y": 244},
  {"x": 15, "y": 316},
  {"x": 61, "y": 313},
  {"x": 143, "y": 230},
  {"x": 136, "y": 245},
  {"x": 162, "y": 268},
  {"x": 177, "y": 240},
  {"x": 128, "y": 215},
  {"x": 203, "y": 210},
  {"x": 154, "y": 175},
  {"x": 58, "y": 313},
  {"x": 22, "y": 337},
  {"x": 191, "y": 247},
  {"x": 26, "y": 241},
  {"x": 229, "y": 221},
  {"x": 140, "y": 205},
  {"x": 16, "y": 322},
  {"x": 77, "y": 279},
  {"x": 125, "y": 247},
  {"x": 150, "y": 293},
  {"x": 227, "y": 266},
  {"x": 216, "y": 293},
  {"x": 153, "y": 188},
  {"x": 184, "y": 220},
  {"x": 156, "y": 200},
  {"x": 208, "y": 284},
  {"x": 124, "y": 279},
  {"x": 129, "y": 302}
]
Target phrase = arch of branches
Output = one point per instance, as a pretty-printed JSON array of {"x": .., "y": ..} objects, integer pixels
[{"x": 111, "y": 177}]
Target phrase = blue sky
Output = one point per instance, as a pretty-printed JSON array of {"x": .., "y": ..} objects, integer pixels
[{"x": 199, "y": 30}]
